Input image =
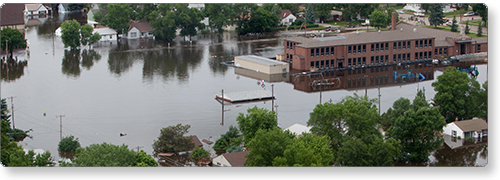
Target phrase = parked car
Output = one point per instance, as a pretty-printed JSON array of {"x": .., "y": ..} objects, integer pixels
[
  {"x": 449, "y": 23},
  {"x": 470, "y": 14},
  {"x": 419, "y": 14},
  {"x": 400, "y": 11}
]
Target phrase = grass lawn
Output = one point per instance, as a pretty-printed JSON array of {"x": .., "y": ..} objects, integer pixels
[
  {"x": 446, "y": 28},
  {"x": 343, "y": 23},
  {"x": 473, "y": 23}
]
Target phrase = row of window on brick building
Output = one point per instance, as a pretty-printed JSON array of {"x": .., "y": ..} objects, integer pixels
[{"x": 374, "y": 60}]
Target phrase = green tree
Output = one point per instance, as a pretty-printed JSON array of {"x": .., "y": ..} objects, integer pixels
[
  {"x": 15, "y": 39},
  {"x": 426, "y": 6},
  {"x": 142, "y": 159},
  {"x": 390, "y": 10},
  {"x": 418, "y": 130},
  {"x": 118, "y": 17},
  {"x": 480, "y": 30},
  {"x": 221, "y": 144},
  {"x": 85, "y": 34},
  {"x": 219, "y": 16},
  {"x": 457, "y": 95},
  {"x": 164, "y": 26},
  {"x": 240, "y": 16},
  {"x": 189, "y": 20},
  {"x": 262, "y": 21},
  {"x": 255, "y": 119},
  {"x": 378, "y": 19},
  {"x": 436, "y": 16},
  {"x": 267, "y": 145},
  {"x": 99, "y": 15},
  {"x": 111, "y": 155},
  {"x": 79, "y": 6},
  {"x": 399, "y": 107},
  {"x": 482, "y": 10},
  {"x": 483, "y": 101},
  {"x": 307, "y": 150},
  {"x": 294, "y": 8},
  {"x": 310, "y": 16},
  {"x": 199, "y": 152},
  {"x": 71, "y": 34},
  {"x": 172, "y": 139},
  {"x": 271, "y": 7},
  {"x": 467, "y": 28},
  {"x": 234, "y": 149},
  {"x": 368, "y": 151},
  {"x": 21, "y": 158},
  {"x": 68, "y": 144},
  {"x": 323, "y": 11},
  {"x": 298, "y": 22},
  {"x": 454, "y": 25}
]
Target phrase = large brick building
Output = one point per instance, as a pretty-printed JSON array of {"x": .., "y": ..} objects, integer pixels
[{"x": 404, "y": 43}]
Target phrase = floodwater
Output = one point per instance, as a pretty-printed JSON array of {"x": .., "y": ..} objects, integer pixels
[{"x": 138, "y": 87}]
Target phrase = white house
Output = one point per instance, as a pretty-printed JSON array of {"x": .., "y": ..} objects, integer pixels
[
  {"x": 198, "y": 6},
  {"x": 475, "y": 128},
  {"x": 63, "y": 8},
  {"x": 140, "y": 30},
  {"x": 298, "y": 129},
  {"x": 35, "y": 10},
  {"x": 286, "y": 17},
  {"x": 235, "y": 159},
  {"x": 107, "y": 34}
]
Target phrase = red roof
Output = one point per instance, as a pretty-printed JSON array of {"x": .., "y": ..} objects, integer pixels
[
  {"x": 141, "y": 26},
  {"x": 284, "y": 13},
  {"x": 196, "y": 141},
  {"x": 12, "y": 14},
  {"x": 236, "y": 159}
]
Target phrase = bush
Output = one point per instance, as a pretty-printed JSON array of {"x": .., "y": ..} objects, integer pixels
[
  {"x": 221, "y": 144},
  {"x": 199, "y": 152},
  {"x": 68, "y": 144}
]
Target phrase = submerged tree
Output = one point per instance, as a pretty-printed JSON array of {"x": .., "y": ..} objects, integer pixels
[
  {"x": 68, "y": 144},
  {"x": 172, "y": 139},
  {"x": 12, "y": 39}
]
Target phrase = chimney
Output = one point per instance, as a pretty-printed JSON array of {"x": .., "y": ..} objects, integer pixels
[{"x": 393, "y": 21}]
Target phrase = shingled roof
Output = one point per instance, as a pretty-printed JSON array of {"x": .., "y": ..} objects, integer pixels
[
  {"x": 284, "y": 13},
  {"x": 476, "y": 125},
  {"x": 236, "y": 159},
  {"x": 403, "y": 32},
  {"x": 12, "y": 14},
  {"x": 141, "y": 26}
]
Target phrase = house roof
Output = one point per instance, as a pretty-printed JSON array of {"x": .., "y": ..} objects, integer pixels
[
  {"x": 472, "y": 125},
  {"x": 403, "y": 32},
  {"x": 104, "y": 31},
  {"x": 334, "y": 12},
  {"x": 33, "y": 7},
  {"x": 285, "y": 13},
  {"x": 196, "y": 141},
  {"x": 236, "y": 159},
  {"x": 481, "y": 40},
  {"x": 66, "y": 6},
  {"x": 298, "y": 129},
  {"x": 12, "y": 14},
  {"x": 141, "y": 26}
]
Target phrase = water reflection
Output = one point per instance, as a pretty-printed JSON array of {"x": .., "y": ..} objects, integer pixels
[
  {"x": 466, "y": 154},
  {"x": 71, "y": 61},
  {"x": 170, "y": 63},
  {"x": 12, "y": 69},
  {"x": 355, "y": 79}
]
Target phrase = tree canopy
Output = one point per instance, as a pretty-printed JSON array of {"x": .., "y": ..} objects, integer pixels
[
  {"x": 74, "y": 35},
  {"x": 378, "y": 19},
  {"x": 310, "y": 16},
  {"x": 255, "y": 119},
  {"x": 436, "y": 17},
  {"x": 68, "y": 144},
  {"x": 172, "y": 139},
  {"x": 458, "y": 95},
  {"x": 117, "y": 17},
  {"x": 482, "y": 10},
  {"x": 111, "y": 155},
  {"x": 15, "y": 39},
  {"x": 306, "y": 150},
  {"x": 418, "y": 128},
  {"x": 267, "y": 145}
]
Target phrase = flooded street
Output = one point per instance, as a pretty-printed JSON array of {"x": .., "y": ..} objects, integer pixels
[{"x": 138, "y": 87}]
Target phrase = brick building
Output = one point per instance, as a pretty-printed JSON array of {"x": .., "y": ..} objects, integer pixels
[{"x": 404, "y": 43}]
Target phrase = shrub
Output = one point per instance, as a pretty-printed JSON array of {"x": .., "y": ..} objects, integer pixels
[{"x": 68, "y": 144}]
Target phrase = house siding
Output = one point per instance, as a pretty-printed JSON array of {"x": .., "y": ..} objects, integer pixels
[
  {"x": 221, "y": 161},
  {"x": 130, "y": 34}
]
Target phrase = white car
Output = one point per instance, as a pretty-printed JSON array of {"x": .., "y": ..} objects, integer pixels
[
  {"x": 400, "y": 11},
  {"x": 469, "y": 14},
  {"x": 419, "y": 14}
]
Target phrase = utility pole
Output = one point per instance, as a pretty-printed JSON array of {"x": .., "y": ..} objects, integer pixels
[
  {"x": 12, "y": 106},
  {"x": 272, "y": 104},
  {"x": 379, "y": 100},
  {"x": 60, "y": 123},
  {"x": 6, "y": 49},
  {"x": 366, "y": 85},
  {"x": 222, "y": 101},
  {"x": 138, "y": 148}
]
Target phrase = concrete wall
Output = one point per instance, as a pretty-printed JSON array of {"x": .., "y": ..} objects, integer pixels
[{"x": 263, "y": 68}]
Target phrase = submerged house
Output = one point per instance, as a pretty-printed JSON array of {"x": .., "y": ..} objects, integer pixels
[
  {"x": 235, "y": 159},
  {"x": 12, "y": 16},
  {"x": 140, "y": 30},
  {"x": 475, "y": 128}
]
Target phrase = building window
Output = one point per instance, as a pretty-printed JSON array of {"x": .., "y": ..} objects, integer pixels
[
  {"x": 425, "y": 55},
  {"x": 394, "y": 58},
  {"x": 322, "y": 64},
  {"x": 430, "y": 42},
  {"x": 440, "y": 51},
  {"x": 408, "y": 56},
  {"x": 421, "y": 54},
  {"x": 317, "y": 64},
  {"x": 349, "y": 62},
  {"x": 372, "y": 60},
  {"x": 349, "y": 82},
  {"x": 359, "y": 48},
  {"x": 395, "y": 45},
  {"x": 381, "y": 46},
  {"x": 436, "y": 51},
  {"x": 317, "y": 52},
  {"x": 421, "y": 43},
  {"x": 416, "y": 56},
  {"x": 359, "y": 61},
  {"x": 429, "y": 54},
  {"x": 404, "y": 57},
  {"x": 322, "y": 51},
  {"x": 332, "y": 63},
  {"x": 332, "y": 51},
  {"x": 353, "y": 61},
  {"x": 287, "y": 45},
  {"x": 312, "y": 64},
  {"x": 478, "y": 48},
  {"x": 485, "y": 132},
  {"x": 376, "y": 47},
  {"x": 425, "y": 43},
  {"x": 404, "y": 44},
  {"x": 376, "y": 59},
  {"x": 408, "y": 44},
  {"x": 399, "y": 45},
  {"x": 364, "y": 61},
  {"x": 364, "y": 48},
  {"x": 327, "y": 51},
  {"x": 399, "y": 57},
  {"x": 445, "y": 51},
  {"x": 349, "y": 49},
  {"x": 327, "y": 63},
  {"x": 133, "y": 34},
  {"x": 386, "y": 46},
  {"x": 287, "y": 57},
  {"x": 291, "y": 58},
  {"x": 416, "y": 44},
  {"x": 312, "y": 52},
  {"x": 354, "y": 49}
]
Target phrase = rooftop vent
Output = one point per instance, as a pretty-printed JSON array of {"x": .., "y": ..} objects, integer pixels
[
  {"x": 378, "y": 31},
  {"x": 357, "y": 32},
  {"x": 401, "y": 29},
  {"x": 414, "y": 29}
]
